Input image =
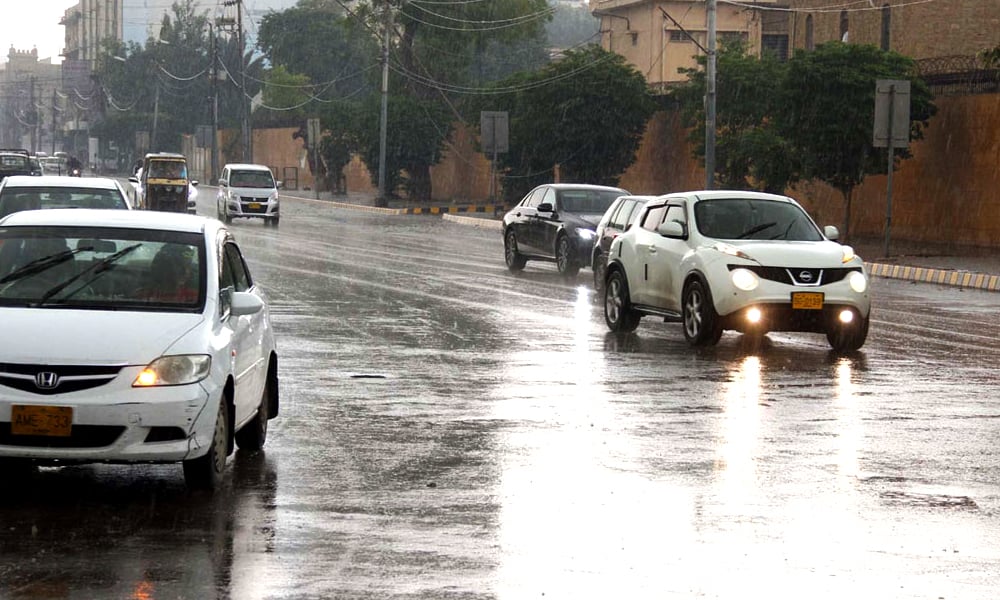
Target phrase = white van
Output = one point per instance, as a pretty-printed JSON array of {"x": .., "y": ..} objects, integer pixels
[{"x": 249, "y": 191}]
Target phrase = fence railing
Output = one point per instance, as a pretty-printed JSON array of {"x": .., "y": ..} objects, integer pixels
[{"x": 956, "y": 75}]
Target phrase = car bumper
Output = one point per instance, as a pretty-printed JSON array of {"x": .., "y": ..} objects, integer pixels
[
  {"x": 253, "y": 208},
  {"x": 776, "y": 311},
  {"x": 117, "y": 423}
]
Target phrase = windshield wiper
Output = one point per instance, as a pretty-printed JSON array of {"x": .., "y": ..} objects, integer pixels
[
  {"x": 98, "y": 269},
  {"x": 756, "y": 229},
  {"x": 43, "y": 264}
]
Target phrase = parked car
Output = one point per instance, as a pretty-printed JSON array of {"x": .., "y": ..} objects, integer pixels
[
  {"x": 14, "y": 161},
  {"x": 24, "y": 192},
  {"x": 53, "y": 165},
  {"x": 746, "y": 261},
  {"x": 36, "y": 166},
  {"x": 248, "y": 191},
  {"x": 556, "y": 222},
  {"x": 130, "y": 337},
  {"x": 618, "y": 218}
]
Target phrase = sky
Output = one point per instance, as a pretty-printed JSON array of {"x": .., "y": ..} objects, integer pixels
[{"x": 33, "y": 23}]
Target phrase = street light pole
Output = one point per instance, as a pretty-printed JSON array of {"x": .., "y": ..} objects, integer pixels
[
  {"x": 710, "y": 96},
  {"x": 382, "y": 200}
]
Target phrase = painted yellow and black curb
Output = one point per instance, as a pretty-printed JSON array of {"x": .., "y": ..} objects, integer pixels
[
  {"x": 451, "y": 210},
  {"x": 950, "y": 277}
]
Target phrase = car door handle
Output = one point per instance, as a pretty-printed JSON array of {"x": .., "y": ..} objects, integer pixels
[{"x": 651, "y": 249}]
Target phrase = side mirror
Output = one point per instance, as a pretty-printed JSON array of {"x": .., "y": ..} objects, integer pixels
[
  {"x": 194, "y": 182},
  {"x": 544, "y": 207},
  {"x": 672, "y": 229},
  {"x": 133, "y": 179},
  {"x": 245, "y": 303},
  {"x": 279, "y": 184},
  {"x": 831, "y": 232},
  {"x": 222, "y": 183}
]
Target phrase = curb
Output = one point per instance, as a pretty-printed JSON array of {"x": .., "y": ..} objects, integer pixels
[{"x": 950, "y": 277}]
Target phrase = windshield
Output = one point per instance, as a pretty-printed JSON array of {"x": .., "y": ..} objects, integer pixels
[
  {"x": 101, "y": 268},
  {"x": 251, "y": 179},
  {"x": 743, "y": 219},
  {"x": 587, "y": 201},
  {"x": 168, "y": 169},
  {"x": 14, "y": 199}
]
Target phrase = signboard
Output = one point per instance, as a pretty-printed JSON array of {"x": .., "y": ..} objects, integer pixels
[
  {"x": 892, "y": 113},
  {"x": 493, "y": 129}
]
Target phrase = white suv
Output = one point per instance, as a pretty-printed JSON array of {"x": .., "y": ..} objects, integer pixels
[
  {"x": 747, "y": 261},
  {"x": 249, "y": 191}
]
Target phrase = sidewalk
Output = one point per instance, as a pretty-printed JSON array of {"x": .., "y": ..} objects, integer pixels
[{"x": 941, "y": 264}]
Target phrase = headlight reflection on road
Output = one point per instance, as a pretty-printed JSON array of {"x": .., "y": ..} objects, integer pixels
[
  {"x": 849, "y": 438},
  {"x": 736, "y": 463}
]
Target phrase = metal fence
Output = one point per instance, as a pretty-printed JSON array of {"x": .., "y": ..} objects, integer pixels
[{"x": 958, "y": 75}]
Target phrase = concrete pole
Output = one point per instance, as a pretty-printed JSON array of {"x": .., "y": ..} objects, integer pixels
[
  {"x": 710, "y": 97},
  {"x": 382, "y": 199}
]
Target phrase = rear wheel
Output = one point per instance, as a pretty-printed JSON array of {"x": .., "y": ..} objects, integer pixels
[
  {"x": 565, "y": 261},
  {"x": 205, "y": 472},
  {"x": 848, "y": 337},
  {"x": 513, "y": 258},
  {"x": 701, "y": 323},
  {"x": 618, "y": 311}
]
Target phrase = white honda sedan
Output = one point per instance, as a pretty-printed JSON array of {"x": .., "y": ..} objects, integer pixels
[
  {"x": 130, "y": 337},
  {"x": 747, "y": 261}
]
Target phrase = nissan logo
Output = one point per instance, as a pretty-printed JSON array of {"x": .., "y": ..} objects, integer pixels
[
  {"x": 805, "y": 276},
  {"x": 46, "y": 380}
]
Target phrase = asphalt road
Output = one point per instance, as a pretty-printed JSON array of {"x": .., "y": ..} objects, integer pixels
[{"x": 451, "y": 430}]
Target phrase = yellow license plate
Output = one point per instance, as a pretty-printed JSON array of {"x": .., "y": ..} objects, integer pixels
[
  {"x": 255, "y": 205},
  {"x": 807, "y": 300},
  {"x": 41, "y": 420}
]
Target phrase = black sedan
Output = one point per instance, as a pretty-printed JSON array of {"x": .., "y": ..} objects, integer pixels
[{"x": 556, "y": 222}]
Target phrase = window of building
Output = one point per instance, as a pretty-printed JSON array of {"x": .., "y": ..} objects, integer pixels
[
  {"x": 676, "y": 35},
  {"x": 844, "y": 23},
  {"x": 776, "y": 45},
  {"x": 886, "y": 26},
  {"x": 810, "y": 40}
]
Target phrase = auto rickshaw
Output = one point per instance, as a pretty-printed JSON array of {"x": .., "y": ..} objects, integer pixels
[{"x": 162, "y": 183}]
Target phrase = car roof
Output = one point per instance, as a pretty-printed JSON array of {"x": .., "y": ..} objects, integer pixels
[
  {"x": 105, "y": 183},
  {"x": 130, "y": 219},
  {"x": 248, "y": 167},
  {"x": 734, "y": 194},
  {"x": 583, "y": 186}
]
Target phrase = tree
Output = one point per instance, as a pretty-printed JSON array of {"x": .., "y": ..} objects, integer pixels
[
  {"x": 749, "y": 153},
  {"x": 828, "y": 108},
  {"x": 586, "y": 113}
]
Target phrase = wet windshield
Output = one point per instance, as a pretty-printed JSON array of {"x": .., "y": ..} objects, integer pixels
[
  {"x": 14, "y": 199},
  {"x": 251, "y": 179},
  {"x": 742, "y": 219},
  {"x": 587, "y": 201},
  {"x": 101, "y": 268}
]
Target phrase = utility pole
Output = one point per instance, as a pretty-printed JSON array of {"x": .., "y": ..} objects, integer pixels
[
  {"x": 54, "y": 99},
  {"x": 33, "y": 111},
  {"x": 156, "y": 112},
  {"x": 382, "y": 200},
  {"x": 710, "y": 96},
  {"x": 213, "y": 72}
]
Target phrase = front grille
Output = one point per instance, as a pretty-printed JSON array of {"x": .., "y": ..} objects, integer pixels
[
  {"x": 798, "y": 275},
  {"x": 261, "y": 205},
  {"x": 56, "y": 379},
  {"x": 82, "y": 436}
]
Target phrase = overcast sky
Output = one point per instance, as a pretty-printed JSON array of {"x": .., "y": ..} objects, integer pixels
[{"x": 34, "y": 23}]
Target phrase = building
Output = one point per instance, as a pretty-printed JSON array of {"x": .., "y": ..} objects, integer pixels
[
  {"x": 88, "y": 24},
  {"x": 30, "y": 101},
  {"x": 142, "y": 18},
  {"x": 660, "y": 37}
]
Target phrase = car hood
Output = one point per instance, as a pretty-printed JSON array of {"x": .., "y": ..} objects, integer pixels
[
  {"x": 62, "y": 336},
  {"x": 584, "y": 220},
  {"x": 814, "y": 255},
  {"x": 252, "y": 192}
]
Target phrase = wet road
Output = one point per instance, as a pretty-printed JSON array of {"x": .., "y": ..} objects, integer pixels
[{"x": 450, "y": 430}]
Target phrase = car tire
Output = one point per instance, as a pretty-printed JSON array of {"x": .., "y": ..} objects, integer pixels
[
  {"x": 618, "y": 311},
  {"x": 565, "y": 263},
  {"x": 254, "y": 434},
  {"x": 847, "y": 338},
  {"x": 600, "y": 268},
  {"x": 205, "y": 472},
  {"x": 702, "y": 326},
  {"x": 515, "y": 261},
  {"x": 273, "y": 221}
]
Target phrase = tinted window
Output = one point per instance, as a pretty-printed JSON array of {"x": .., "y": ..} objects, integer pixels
[
  {"x": 251, "y": 179},
  {"x": 587, "y": 201}
]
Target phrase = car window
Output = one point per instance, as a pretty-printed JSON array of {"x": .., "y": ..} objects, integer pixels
[
  {"x": 621, "y": 217},
  {"x": 653, "y": 218},
  {"x": 550, "y": 197},
  {"x": 101, "y": 268},
  {"x": 14, "y": 199},
  {"x": 754, "y": 219},
  {"x": 534, "y": 198},
  {"x": 240, "y": 275},
  {"x": 251, "y": 179},
  {"x": 587, "y": 201},
  {"x": 634, "y": 213},
  {"x": 675, "y": 212}
]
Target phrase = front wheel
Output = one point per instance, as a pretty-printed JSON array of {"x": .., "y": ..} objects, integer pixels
[
  {"x": 205, "y": 472},
  {"x": 565, "y": 261},
  {"x": 618, "y": 311},
  {"x": 702, "y": 326},
  {"x": 515, "y": 261},
  {"x": 848, "y": 337}
]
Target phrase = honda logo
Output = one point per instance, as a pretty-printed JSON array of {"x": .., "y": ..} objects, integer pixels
[{"x": 46, "y": 380}]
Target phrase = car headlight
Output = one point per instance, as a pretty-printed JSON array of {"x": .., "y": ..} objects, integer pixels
[
  {"x": 174, "y": 370},
  {"x": 586, "y": 234},
  {"x": 744, "y": 279},
  {"x": 273, "y": 197},
  {"x": 858, "y": 281}
]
